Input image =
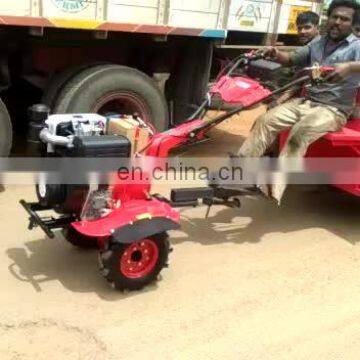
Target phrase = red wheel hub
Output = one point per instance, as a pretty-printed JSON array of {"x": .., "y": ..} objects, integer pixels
[{"x": 139, "y": 259}]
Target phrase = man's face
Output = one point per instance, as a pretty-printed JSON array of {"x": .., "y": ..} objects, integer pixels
[
  {"x": 339, "y": 25},
  {"x": 356, "y": 30},
  {"x": 307, "y": 32}
]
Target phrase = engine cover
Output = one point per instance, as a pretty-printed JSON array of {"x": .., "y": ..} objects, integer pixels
[{"x": 240, "y": 90}]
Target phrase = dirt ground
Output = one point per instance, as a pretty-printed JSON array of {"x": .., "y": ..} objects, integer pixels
[{"x": 260, "y": 282}]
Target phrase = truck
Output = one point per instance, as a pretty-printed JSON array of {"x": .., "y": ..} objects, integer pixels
[{"x": 152, "y": 58}]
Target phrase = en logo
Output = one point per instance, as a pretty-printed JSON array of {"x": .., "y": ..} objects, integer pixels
[{"x": 72, "y": 5}]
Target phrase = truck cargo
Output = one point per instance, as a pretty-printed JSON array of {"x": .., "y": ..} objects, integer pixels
[{"x": 151, "y": 58}]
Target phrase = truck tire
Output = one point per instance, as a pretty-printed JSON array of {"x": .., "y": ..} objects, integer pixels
[
  {"x": 114, "y": 88},
  {"x": 5, "y": 131},
  {"x": 58, "y": 81},
  {"x": 133, "y": 266},
  {"x": 188, "y": 83}
]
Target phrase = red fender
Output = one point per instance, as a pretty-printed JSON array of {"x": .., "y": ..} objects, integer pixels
[{"x": 130, "y": 213}]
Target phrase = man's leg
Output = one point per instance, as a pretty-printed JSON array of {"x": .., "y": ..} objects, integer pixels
[
  {"x": 315, "y": 122},
  {"x": 268, "y": 126}
]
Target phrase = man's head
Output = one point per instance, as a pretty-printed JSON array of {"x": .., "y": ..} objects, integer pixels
[
  {"x": 307, "y": 24},
  {"x": 341, "y": 15},
  {"x": 356, "y": 24}
]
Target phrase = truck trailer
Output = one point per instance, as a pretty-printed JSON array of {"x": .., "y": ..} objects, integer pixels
[{"x": 149, "y": 57}]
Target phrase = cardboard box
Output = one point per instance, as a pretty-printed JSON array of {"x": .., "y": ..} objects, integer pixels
[{"x": 132, "y": 129}]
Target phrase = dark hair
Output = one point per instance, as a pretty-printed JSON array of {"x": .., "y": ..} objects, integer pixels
[
  {"x": 356, "y": 18},
  {"x": 352, "y": 4},
  {"x": 307, "y": 17}
]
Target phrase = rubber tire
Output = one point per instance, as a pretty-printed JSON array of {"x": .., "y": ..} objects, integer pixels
[
  {"x": 55, "y": 195},
  {"x": 110, "y": 267},
  {"x": 79, "y": 240},
  {"x": 59, "y": 80},
  {"x": 81, "y": 93},
  {"x": 6, "y": 134},
  {"x": 189, "y": 81}
]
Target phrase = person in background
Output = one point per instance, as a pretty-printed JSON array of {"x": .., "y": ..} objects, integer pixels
[
  {"x": 356, "y": 24},
  {"x": 307, "y": 24}
]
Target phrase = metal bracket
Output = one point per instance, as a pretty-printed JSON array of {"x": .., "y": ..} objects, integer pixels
[
  {"x": 100, "y": 34},
  {"x": 36, "y": 31}
]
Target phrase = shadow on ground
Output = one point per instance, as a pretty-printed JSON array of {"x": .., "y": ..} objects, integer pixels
[
  {"x": 47, "y": 260},
  {"x": 302, "y": 208}
]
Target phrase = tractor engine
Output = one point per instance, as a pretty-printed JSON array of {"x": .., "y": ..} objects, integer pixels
[{"x": 75, "y": 136}]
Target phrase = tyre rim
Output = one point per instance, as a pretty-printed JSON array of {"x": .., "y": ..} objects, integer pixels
[
  {"x": 124, "y": 103},
  {"x": 139, "y": 259}
]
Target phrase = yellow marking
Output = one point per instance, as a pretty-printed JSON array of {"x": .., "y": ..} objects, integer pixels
[
  {"x": 247, "y": 23},
  {"x": 76, "y": 23},
  {"x": 294, "y": 12},
  {"x": 144, "y": 216}
]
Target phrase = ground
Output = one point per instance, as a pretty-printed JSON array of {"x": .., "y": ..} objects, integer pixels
[{"x": 260, "y": 282}]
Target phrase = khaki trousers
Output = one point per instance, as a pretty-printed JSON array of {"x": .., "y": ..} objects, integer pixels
[{"x": 308, "y": 121}]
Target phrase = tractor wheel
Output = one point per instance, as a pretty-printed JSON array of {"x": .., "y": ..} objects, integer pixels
[
  {"x": 118, "y": 89},
  {"x": 79, "y": 240},
  {"x": 133, "y": 266}
]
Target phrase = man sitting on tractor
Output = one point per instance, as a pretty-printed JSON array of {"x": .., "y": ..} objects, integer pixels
[{"x": 327, "y": 106}]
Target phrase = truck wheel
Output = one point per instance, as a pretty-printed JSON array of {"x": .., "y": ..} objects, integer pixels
[
  {"x": 114, "y": 88},
  {"x": 5, "y": 131},
  {"x": 188, "y": 82},
  {"x": 59, "y": 80},
  {"x": 79, "y": 240},
  {"x": 133, "y": 266}
]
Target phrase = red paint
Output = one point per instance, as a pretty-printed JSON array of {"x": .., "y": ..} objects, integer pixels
[
  {"x": 240, "y": 90},
  {"x": 162, "y": 143},
  {"x": 127, "y": 214},
  {"x": 341, "y": 144},
  {"x": 139, "y": 259}
]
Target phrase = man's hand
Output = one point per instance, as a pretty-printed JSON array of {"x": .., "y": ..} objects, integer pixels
[
  {"x": 340, "y": 72},
  {"x": 270, "y": 52},
  {"x": 274, "y": 54}
]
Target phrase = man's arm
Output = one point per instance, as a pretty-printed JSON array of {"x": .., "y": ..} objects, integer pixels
[
  {"x": 343, "y": 70},
  {"x": 277, "y": 55},
  {"x": 299, "y": 57}
]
